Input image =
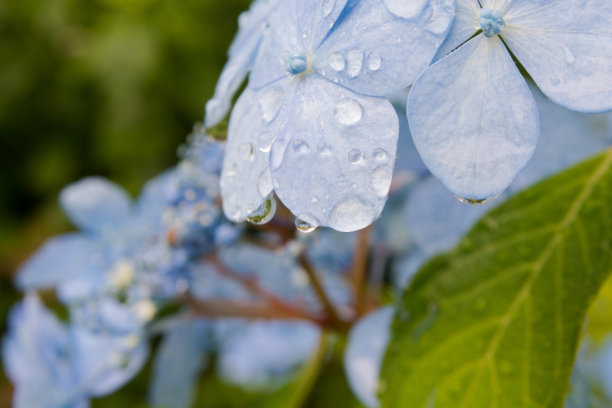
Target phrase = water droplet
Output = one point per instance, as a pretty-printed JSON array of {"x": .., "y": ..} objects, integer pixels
[
  {"x": 569, "y": 56},
  {"x": 380, "y": 155},
  {"x": 354, "y": 61},
  {"x": 327, "y": 7},
  {"x": 476, "y": 201},
  {"x": 352, "y": 214},
  {"x": 297, "y": 65},
  {"x": 270, "y": 104},
  {"x": 264, "y": 213},
  {"x": 405, "y": 9},
  {"x": 306, "y": 223},
  {"x": 245, "y": 150},
  {"x": 374, "y": 61},
  {"x": 380, "y": 180},
  {"x": 301, "y": 147},
  {"x": 355, "y": 156},
  {"x": 314, "y": 199},
  {"x": 336, "y": 62},
  {"x": 325, "y": 150},
  {"x": 264, "y": 183},
  {"x": 348, "y": 111},
  {"x": 264, "y": 141}
]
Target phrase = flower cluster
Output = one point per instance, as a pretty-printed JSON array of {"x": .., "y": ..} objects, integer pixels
[{"x": 324, "y": 125}]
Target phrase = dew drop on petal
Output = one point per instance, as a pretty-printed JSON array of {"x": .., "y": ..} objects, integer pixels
[
  {"x": 380, "y": 155},
  {"x": 264, "y": 141},
  {"x": 325, "y": 150},
  {"x": 270, "y": 103},
  {"x": 306, "y": 223},
  {"x": 380, "y": 180},
  {"x": 405, "y": 8},
  {"x": 264, "y": 183},
  {"x": 264, "y": 213},
  {"x": 245, "y": 150},
  {"x": 351, "y": 214},
  {"x": 354, "y": 61},
  {"x": 336, "y": 62},
  {"x": 348, "y": 111},
  {"x": 301, "y": 147},
  {"x": 374, "y": 61},
  {"x": 355, "y": 156},
  {"x": 327, "y": 7}
]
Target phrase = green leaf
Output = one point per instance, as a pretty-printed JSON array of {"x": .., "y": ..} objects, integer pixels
[{"x": 496, "y": 322}]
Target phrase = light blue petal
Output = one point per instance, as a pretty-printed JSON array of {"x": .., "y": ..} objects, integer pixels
[
  {"x": 473, "y": 119},
  {"x": 332, "y": 165},
  {"x": 104, "y": 362},
  {"x": 36, "y": 357},
  {"x": 466, "y": 14},
  {"x": 605, "y": 367},
  {"x": 95, "y": 203},
  {"x": 264, "y": 354},
  {"x": 254, "y": 124},
  {"x": 58, "y": 260},
  {"x": 566, "y": 138},
  {"x": 179, "y": 360},
  {"x": 363, "y": 358},
  {"x": 242, "y": 53},
  {"x": 501, "y": 5},
  {"x": 297, "y": 28},
  {"x": 380, "y": 46},
  {"x": 566, "y": 46}
]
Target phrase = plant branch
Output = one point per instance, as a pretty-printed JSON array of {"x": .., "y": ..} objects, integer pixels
[{"x": 359, "y": 269}]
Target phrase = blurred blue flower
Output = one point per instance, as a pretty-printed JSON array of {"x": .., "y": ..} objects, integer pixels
[
  {"x": 472, "y": 116},
  {"x": 313, "y": 125}
]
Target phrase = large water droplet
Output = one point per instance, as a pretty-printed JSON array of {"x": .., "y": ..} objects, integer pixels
[
  {"x": 306, "y": 223},
  {"x": 327, "y": 7},
  {"x": 354, "y": 61},
  {"x": 355, "y": 156},
  {"x": 264, "y": 183},
  {"x": 336, "y": 62},
  {"x": 380, "y": 180},
  {"x": 405, "y": 8},
  {"x": 245, "y": 150},
  {"x": 300, "y": 146},
  {"x": 264, "y": 213},
  {"x": 352, "y": 214},
  {"x": 374, "y": 61},
  {"x": 348, "y": 111},
  {"x": 264, "y": 141},
  {"x": 270, "y": 104}
]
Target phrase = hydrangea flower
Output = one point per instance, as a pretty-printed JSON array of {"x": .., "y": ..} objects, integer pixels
[
  {"x": 313, "y": 125},
  {"x": 52, "y": 365},
  {"x": 472, "y": 116}
]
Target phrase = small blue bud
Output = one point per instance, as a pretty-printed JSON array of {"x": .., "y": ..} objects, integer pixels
[
  {"x": 491, "y": 22},
  {"x": 297, "y": 65}
]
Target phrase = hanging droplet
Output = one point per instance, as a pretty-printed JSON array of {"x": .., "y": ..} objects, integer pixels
[
  {"x": 475, "y": 201},
  {"x": 354, "y": 61},
  {"x": 355, "y": 156},
  {"x": 306, "y": 223},
  {"x": 325, "y": 150},
  {"x": 270, "y": 104},
  {"x": 348, "y": 111},
  {"x": 374, "y": 61},
  {"x": 264, "y": 213},
  {"x": 352, "y": 214},
  {"x": 569, "y": 56},
  {"x": 336, "y": 62}
]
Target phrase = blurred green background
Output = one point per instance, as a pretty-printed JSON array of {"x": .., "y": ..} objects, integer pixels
[{"x": 106, "y": 87}]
